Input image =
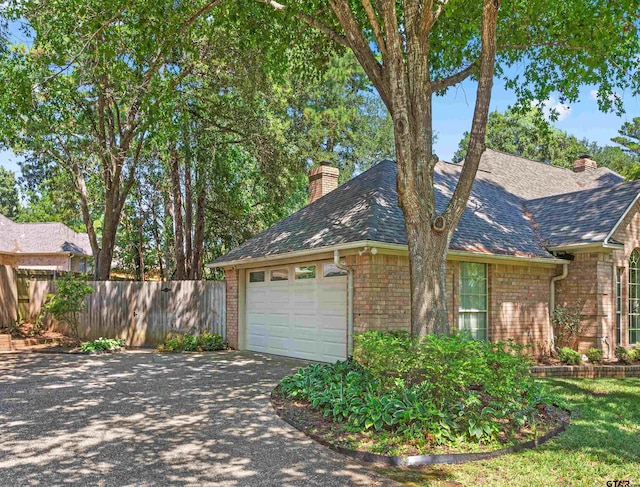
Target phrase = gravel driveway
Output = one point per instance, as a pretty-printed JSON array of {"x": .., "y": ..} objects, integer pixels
[{"x": 154, "y": 419}]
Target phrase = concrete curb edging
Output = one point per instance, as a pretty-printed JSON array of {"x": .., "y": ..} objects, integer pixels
[{"x": 414, "y": 460}]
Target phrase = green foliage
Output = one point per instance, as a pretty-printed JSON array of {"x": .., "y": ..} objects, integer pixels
[
  {"x": 69, "y": 299},
  {"x": 206, "y": 342},
  {"x": 567, "y": 325},
  {"x": 102, "y": 345},
  {"x": 448, "y": 389},
  {"x": 595, "y": 356},
  {"x": 9, "y": 198},
  {"x": 629, "y": 139},
  {"x": 528, "y": 134},
  {"x": 624, "y": 356},
  {"x": 569, "y": 356}
]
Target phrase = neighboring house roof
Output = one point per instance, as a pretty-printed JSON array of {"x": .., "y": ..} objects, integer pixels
[
  {"x": 509, "y": 196},
  {"x": 582, "y": 217},
  {"x": 41, "y": 238}
]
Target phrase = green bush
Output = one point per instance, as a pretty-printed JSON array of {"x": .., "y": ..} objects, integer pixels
[
  {"x": 207, "y": 342},
  {"x": 595, "y": 355},
  {"x": 103, "y": 345},
  {"x": 624, "y": 356},
  {"x": 569, "y": 356},
  {"x": 447, "y": 389},
  {"x": 68, "y": 300}
]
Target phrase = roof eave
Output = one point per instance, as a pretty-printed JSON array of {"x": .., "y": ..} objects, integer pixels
[
  {"x": 585, "y": 246},
  {"x": 383, "y": 245},
  {"x": 621, "y": 219}
]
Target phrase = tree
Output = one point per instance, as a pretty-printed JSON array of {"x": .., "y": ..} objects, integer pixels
[
  {"x": 415, "y": 49},
  {"x": 9, "y": 198},
  {"x": 528, "y": 134},
  {"x": 85, "y": 94},
  {"x": 629, "y": 139}
]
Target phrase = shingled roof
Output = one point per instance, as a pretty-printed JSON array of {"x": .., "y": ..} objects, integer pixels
[
  {"x": 41, "y": 238},
  {"x": 582, "y": 217},
  {"x": 506, "y": 213}
]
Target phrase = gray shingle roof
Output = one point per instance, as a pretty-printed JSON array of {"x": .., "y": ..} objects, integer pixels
[
  {"x": 509, "y": 196},
  {"x": 26, "y": 238},
  {"x": 581, "y": 217}
]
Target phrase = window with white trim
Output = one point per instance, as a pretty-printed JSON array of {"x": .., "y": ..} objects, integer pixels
[
  {"x": 619, "y": 271},
  {"x": 473, "y": 304},
  {"x": 634, "y": 298}
]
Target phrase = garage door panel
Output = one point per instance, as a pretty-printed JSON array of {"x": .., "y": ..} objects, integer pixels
[{"x": 303, "y": 318}]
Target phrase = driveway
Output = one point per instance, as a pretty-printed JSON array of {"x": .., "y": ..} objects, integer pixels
[{"x": 153, "y": 419}]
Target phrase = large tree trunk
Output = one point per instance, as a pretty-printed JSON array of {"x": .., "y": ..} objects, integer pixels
[
  {"x": 401, "y": 74},
  {"x": 177, "y": 215}
]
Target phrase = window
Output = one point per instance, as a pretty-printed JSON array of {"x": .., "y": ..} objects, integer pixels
[
  {"x": 472, "y": 312},
  {"x": 306, "y": 272},
  {"x": 634, "y": 297},
  {"x": 257, "y": 276},
  {"x": 619, "y": 271},
  {"x": 332, "y": 270},
  {"x": 279, "y": 274}
]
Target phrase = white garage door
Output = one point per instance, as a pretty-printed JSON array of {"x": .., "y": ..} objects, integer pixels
[{"x": 298, "y": 311}]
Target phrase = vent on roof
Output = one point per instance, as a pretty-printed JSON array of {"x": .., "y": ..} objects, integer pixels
[{"x": 584, "y": 163}]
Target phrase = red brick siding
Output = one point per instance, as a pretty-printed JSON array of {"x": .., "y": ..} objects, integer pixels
[
  {"x": 231, "y": 279},
  {"x": 590, "y": 283},
  {"x": 519, "y": 304}
]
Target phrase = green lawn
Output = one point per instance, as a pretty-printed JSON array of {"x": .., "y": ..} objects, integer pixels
[{"x": 602, "y": 443}]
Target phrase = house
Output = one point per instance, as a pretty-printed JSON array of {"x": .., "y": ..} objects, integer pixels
[
  {"x": 43, "y": 246},
  {"x": 533, "y": 236}
]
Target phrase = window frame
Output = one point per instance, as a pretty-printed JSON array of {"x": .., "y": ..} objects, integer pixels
[
  {"x": 619, "y": 299},
  {"x": 634, "y": 298},
  {"x": 474, "y": 311}
]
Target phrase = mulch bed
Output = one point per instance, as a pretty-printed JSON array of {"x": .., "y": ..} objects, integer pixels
[{"x": 336, "y": 435}]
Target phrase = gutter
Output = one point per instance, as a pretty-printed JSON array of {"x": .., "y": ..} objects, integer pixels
[
  {"x": 485, "y": 256},
  {"x": 552, "y": 301},
  {"x": 339, "y": 265}
]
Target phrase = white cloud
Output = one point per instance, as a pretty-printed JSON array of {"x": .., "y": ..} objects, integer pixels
[{"x": 551, "y": 106}]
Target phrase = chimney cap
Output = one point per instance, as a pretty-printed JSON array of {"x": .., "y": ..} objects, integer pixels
[{"x": 584, "y": 156}]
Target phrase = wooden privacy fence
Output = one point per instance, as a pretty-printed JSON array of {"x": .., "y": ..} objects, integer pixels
[
  {"x": 8, "y": 296},
  {"x": 143, "y": 313}
]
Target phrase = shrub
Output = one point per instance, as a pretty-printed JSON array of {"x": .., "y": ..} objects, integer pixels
[
  {"x": 569, "y": 356},
  {"x": 447, "y": 389},
  {"x": 623, "y": 355},
  {"x": 103, "y": 345},
  {"x": 207, "y": 342},
  {"x": 68, "y": 300},
  {"x": 635, "y": 354},
  {"x": 595, "y": 355},
  {"x": 567, "y": 325}
]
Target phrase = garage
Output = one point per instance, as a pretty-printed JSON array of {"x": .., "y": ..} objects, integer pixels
[{"x": 298, "y": 311}]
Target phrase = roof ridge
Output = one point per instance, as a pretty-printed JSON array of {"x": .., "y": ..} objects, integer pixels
[{"x": 590, "y": 190}]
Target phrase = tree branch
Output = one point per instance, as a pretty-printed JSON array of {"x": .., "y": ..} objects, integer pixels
[
  {"x": 460, "y": 197},
  {"x": 322, "y": 27},
  {"x": 454, "y": 79},
  {"x": 375, "y": 25}
]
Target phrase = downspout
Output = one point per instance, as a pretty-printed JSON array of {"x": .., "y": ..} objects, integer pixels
[
  {"x": 336, "y": 261},
  {"x": 552, "y": 301}
]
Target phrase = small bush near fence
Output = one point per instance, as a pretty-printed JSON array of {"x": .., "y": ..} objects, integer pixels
[
  {"x": 68, "y": 300},
  {"x": 207, "y": 342},
  {"x": 102, "y": 345}
]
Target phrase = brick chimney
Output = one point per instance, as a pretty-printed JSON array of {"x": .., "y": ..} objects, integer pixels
[
  {"x": 322, "y": 180},
  {"x": 584, "y": 163}
]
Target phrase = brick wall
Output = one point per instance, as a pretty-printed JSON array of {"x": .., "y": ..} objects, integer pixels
[
  {"x": 231, "y": 279},
  {"x": 57, "y": 262},
  {"x": 322, "y": 180},
  {"x": 519, "y": 304},
  {"x": 8, "y": 260},
  {"x": 589, "y": 283}
]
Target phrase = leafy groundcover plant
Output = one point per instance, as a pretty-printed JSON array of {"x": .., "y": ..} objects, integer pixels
[
  {"x": 206, "y": 342},
  {"x": 404, "y": 396},
  {"x": 103, "y": 345}
]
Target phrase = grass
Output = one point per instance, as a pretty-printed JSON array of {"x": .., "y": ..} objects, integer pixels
[{"x": 601, "y": 444}]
